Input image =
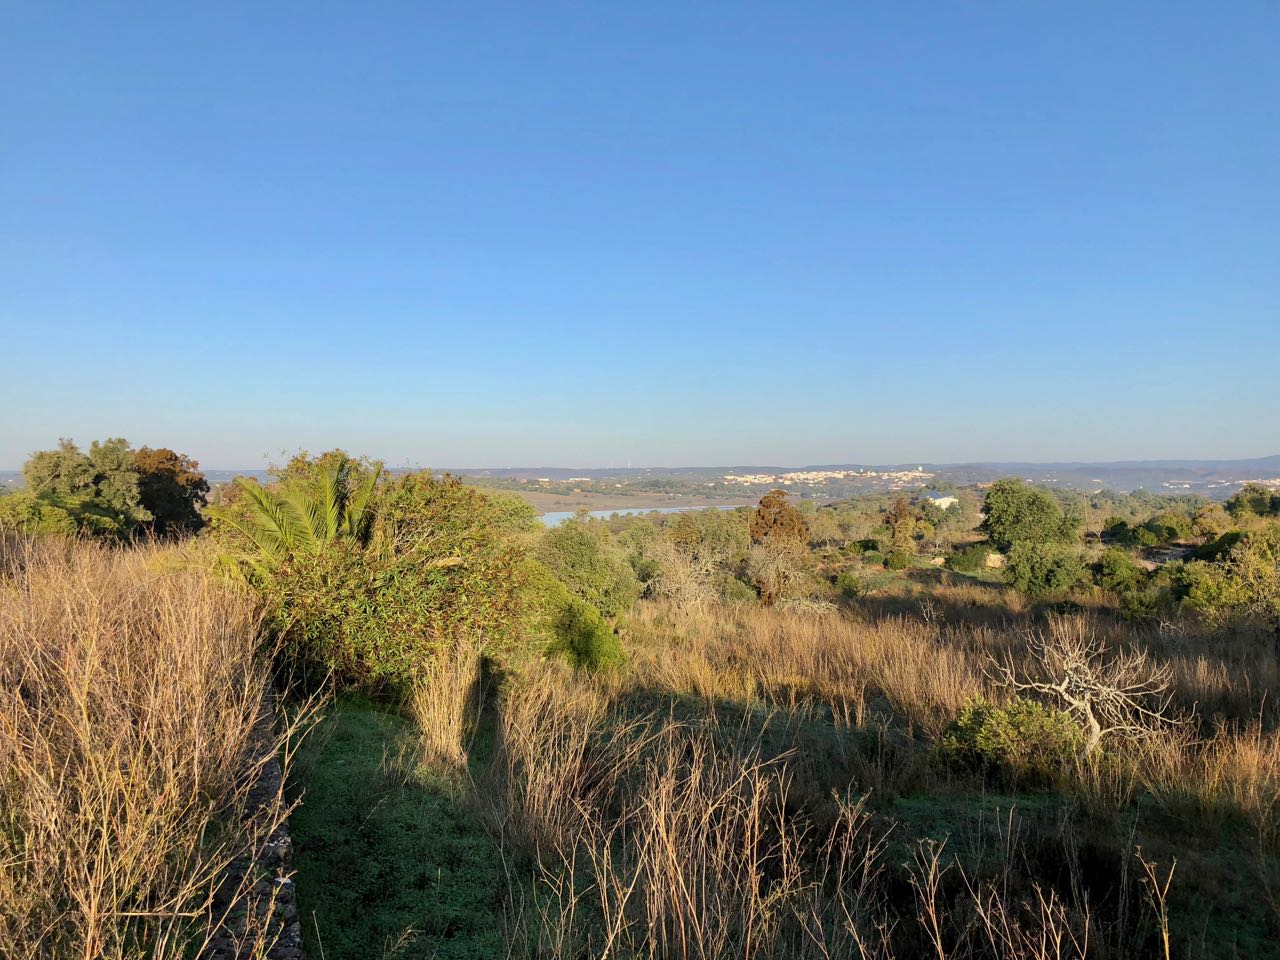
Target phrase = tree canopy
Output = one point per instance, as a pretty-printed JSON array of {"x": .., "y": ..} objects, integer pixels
[{"x": 1019, "y": 513}]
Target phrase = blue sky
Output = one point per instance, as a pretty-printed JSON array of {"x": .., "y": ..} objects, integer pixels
[{"x": 664, "y": 233}]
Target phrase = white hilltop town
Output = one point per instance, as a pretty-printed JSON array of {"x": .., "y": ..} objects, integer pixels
[{"x": 895, "y": 478}]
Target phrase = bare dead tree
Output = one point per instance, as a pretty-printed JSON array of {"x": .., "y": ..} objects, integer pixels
[{"x": 1122, "y": 694}]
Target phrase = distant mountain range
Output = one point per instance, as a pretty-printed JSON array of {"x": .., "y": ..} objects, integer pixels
[{"x": 1213, "y": 478}]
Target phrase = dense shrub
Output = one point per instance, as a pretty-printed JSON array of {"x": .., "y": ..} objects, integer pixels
[
  {"x": 1118, "y": 571},
  {"x": 366, "y": 577},
  {"x": 735, "y": 591},
  {"x": 583, "y": 555},
  {"x": 1040, "y": 569},
  {"x": 969, "y": 559},
  {"x": 583, "y": 637},
  {"x": 849, "y": 585},
  {"x": 897, "y": 560},
  {"x": 1026, "y": 738}
]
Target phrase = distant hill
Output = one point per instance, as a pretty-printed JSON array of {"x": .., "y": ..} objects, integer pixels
[{"x": 1212, "y": 478}]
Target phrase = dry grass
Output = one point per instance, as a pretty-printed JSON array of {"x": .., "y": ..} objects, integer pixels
[
  {"x": 664, "y": 832},
  {"x": 443, "y": 703},
  {"x": 674, "y": 839},
  {"x": 130, "y": 686},
  {"x": 742, "y": 653}
]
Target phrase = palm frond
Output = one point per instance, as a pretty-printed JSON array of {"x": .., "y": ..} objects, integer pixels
[{"x": 359, "y": 513}]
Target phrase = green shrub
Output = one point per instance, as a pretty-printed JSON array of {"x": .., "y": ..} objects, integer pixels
[
  {"x": 365, "y": 577},
  {"x": 734, "y": 591},
  {"x": 970, "y": 559},
  {"x": 1119, "y": 572},
  {"x": 584, "y": 639},
  {"x": 1041, "y": 569},
  {"x": 583, "y": 555},
  {"x": 874, "y": 557},
  {"x": 1027, "y": 739},
  {"x": 897, "y": 560},
  {"x": 850, "y": 585}
]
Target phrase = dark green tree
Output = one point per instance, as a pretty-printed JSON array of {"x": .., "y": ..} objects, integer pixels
[{"x": 1019, "y": 513}]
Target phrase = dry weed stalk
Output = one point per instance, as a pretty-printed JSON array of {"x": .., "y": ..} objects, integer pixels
[
  {"x": 130, "y": 687},
  {"x": 443, "y": 701}
]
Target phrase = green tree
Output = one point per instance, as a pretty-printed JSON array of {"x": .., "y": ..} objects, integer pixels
[
  {"x": 172, "y": 489},
  {"x": 1254, "y": 500},
  {"x": 583, "y": 555},
  {"x": 1019, "y": 513},
  {"x": 96, "y": 493}
]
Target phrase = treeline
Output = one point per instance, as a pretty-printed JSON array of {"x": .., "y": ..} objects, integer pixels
[{"x": 111, "y": 491}]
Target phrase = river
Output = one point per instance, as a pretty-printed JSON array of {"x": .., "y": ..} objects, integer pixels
[{"x": 556, "y": 517}]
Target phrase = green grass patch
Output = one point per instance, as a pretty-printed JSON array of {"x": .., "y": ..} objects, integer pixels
[{"x": 389, "y": 861}]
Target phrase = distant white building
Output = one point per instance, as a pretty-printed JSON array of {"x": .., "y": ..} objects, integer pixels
[{"x": 940, "y": 501}]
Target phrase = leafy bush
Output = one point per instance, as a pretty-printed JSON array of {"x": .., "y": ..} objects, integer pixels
[
  {"x": 897, "y": 560},
  {"x": 1041, "y": 569},
  {"x": 1026, "y": 738},
  {"x": 583, "y": 555},
  {"x": 1118, "y": 571},
  {"x": 873, "y": 557},
  {"x": 970, "y": 559},
  {"x": 850, "y": 585},
  {"x": 734, "y": 591},
  {"x": 583, "y": 637},
  {"x": 366, "y": 577}
]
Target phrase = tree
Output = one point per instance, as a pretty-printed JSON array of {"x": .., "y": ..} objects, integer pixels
[
  {"x": 585, "y": 557},
  {"x": 98, "y": 491},
  {"x": 903, "y": 524},
  {"x": 1017, "y": 512},
  {"x": 64, "y": 472},
  {"x": 172, "y": 489},
  {"x": 778, "y": 523},
  {"x": 778, "y": 559},
  {"x": 1210, "y": 521},
  {"x": 1254, "y": 500}
]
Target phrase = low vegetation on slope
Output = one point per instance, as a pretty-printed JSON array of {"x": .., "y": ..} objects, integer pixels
[{"x": 1003, "y": 723}]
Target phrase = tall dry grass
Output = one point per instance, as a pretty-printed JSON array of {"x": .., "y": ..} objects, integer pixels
[
  {"x": 443, "y": 702},
  {"x": 131, "y": 686},
  {"x": 658, "y": 829},
  {"x": 782, "y": 657},
  {"x": 672, "y": 839}
]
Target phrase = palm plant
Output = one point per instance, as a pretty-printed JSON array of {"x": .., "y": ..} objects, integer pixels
[{"x": 301, "y": 516}]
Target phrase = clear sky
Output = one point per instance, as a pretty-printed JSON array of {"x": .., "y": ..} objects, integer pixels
[{"x": 475, "y": 234}]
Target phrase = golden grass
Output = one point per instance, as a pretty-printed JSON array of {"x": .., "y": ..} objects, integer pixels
[
  {"x": 745, "y": 652},
  {"x": 130, "y": 686},
  {"x": 442, "y": 703},
  {"x": 657, "y": 833}
]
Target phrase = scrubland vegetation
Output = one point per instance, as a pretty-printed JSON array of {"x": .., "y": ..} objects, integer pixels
[{"x": 1028, "y": 725}]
